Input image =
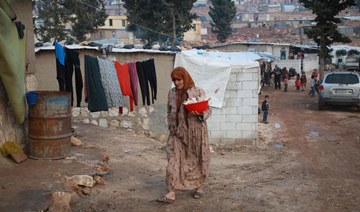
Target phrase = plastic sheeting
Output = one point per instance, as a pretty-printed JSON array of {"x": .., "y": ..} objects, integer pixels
[{"x": 211, "y": 70}]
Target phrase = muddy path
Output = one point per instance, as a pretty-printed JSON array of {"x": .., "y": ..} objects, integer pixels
[{"x": 306, "y": 160}]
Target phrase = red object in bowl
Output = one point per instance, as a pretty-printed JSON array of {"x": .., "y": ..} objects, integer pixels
[{"x": 197, "y": 106}]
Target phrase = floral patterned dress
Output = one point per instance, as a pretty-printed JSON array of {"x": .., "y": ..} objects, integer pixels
[{"x": 187, "y": 148}]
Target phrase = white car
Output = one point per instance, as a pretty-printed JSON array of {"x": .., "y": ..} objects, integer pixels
[{"x": 340, "y": 88}]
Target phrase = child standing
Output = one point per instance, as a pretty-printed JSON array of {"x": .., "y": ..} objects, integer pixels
[
  {"x": 265, "y": 109},
  {"x": 312, "y": 84},
  {"x": 303, "y": 81},
  {"x": 286, "y": 82}
]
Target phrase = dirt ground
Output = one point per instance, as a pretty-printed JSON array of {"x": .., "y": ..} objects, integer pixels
[{"x": 306, "y": 160}]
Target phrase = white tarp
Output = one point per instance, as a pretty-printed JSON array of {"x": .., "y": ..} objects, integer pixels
[{"x": 211, "y": 70}]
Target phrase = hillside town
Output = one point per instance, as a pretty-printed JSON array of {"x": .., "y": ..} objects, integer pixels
[
  {"x": 108, "y": 121},
  {"x": 278, "y": 21}
]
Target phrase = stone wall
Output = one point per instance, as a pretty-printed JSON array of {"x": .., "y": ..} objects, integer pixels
[{"x": 9, "y": 129}]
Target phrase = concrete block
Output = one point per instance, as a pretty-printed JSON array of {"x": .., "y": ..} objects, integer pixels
[
  {"x": 234, "y": 86},
  {"x": 217, "y": 118},
  {"x": 217, "y": 111},
  {"x": 244, "y": 93},
  {"x": 250, "y": 102},
  {"x": 250, "y": 85},
  {"x": 233, "y": 102},
  {"x": 234, "y": 134},
  {"x": 233, "y": 118},
  {"x": 250, "y": 118},
  {"x": 230, "y": 110},
  {"x": 233, "y": 77},
  {"x": 217, "y": 134},
  {"x": 231, "y": 94},
  {"x": 236, "y": 70},
  {"x": 213, "y": 125},
  {"x": 227, "y": 126},
  {"x": 245, "y": 110},
  {"x": 245, "y": 76},
  {"x": 246, "y": 126}
]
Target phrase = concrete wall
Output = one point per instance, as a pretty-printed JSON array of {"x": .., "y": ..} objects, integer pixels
[
  {"x": 237, "y": 121},
  {"x": 9, "y": 129},
  {"x": 239, "y": 111},
  {"x": 309, "y": 64}
]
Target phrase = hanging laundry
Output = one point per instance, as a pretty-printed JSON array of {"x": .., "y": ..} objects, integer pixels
[
  {"x": 72, "y": 61},
  {"x": 12, "y": 59},
  {"x": 110, "y": 83},
  {"x": 150, "y": 73},
  {"x": 147, "y": 76},
  {"x": 60, "y": 65},
  {"x": 95, "y": 94},
  {"x": 124, "y": 81},
  {"x": 144, "y": 87},
  {"x": 134, "y": 81}
]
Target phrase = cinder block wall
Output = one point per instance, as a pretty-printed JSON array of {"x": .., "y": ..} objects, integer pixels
[{"x": 237, "y": 121}]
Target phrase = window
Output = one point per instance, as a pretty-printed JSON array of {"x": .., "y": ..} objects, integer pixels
[
  {"x": 342, "y": 79},
  {"x": 123, "y": 23},
  {"x": 110, "y": 22}
]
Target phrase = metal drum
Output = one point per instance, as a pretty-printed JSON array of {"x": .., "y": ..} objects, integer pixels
[{"x": 50, "y": 125}]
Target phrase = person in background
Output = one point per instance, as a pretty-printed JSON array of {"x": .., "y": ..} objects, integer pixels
[
  {"x": 277, "y": 77},
  {"x": 297, "y": 82},
  {"x": 303, "y": 81},
  {"x": 284, "y": 73},
  {"x": 315, "y": 74},
  {"x": 265, "y": 109},
  {"x": 187, "y": 147},
  {"x": 312, "y": 86}
]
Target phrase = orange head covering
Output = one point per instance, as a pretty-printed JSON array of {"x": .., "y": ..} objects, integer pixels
[
  {"x": 181, "y": 95},
  {"x": 181, "y": 73}
]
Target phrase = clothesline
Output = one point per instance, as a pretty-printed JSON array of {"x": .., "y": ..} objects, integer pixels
[{"x": 106, "y": 81}]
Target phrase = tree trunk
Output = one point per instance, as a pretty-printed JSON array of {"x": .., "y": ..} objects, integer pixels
[
  {"x": 174, "y": 27},
  {"x": 322, "y": 55}
]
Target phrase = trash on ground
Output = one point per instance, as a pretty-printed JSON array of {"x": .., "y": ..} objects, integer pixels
[
  {"x": 278, "y": 145},
  {"x": 277, "y": 126}
]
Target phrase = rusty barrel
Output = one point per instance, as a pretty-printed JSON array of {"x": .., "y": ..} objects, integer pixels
[{"x": 50, "y": 125}]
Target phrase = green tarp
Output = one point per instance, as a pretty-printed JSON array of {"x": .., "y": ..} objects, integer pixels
[{"x": 12, "y": 61}]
